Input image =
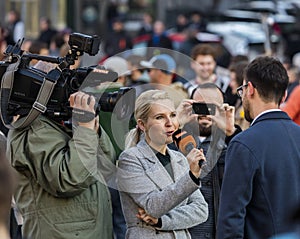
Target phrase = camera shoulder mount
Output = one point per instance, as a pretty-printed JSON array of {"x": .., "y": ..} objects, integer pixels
[{"x": 38, "y": 107}]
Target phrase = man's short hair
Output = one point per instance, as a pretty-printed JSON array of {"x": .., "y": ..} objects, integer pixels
[
  {"x": 203, "y": 49},
  {"x": 269, "y": 77}
]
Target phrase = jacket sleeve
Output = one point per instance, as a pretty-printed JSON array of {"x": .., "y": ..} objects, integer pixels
[
  {"x": 238, "y": 179},
  {"x": 107, "y": 159},
  {"x": 61, "y": 165},
  {"x": 186, "y": 216}
]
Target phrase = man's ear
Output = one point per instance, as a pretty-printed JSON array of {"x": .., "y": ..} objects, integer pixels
[
  {"x": 284, "y": 97},
  {"x": 251, "y": 89}
]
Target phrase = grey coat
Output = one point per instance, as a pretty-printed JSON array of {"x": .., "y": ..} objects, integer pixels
[{"x": 144, "y": 182}]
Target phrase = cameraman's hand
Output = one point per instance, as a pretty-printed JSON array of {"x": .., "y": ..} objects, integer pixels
[
  {"x": 194, "y": 156},
  {"x": 85, "y": 103},
  {"x": 185, "y": 113}
]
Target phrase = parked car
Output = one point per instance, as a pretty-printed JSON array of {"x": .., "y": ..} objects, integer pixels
[{"x": 246, "y": 38}]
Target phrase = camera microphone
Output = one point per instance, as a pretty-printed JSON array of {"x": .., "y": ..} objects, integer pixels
[{"x": 185, "y": 142}]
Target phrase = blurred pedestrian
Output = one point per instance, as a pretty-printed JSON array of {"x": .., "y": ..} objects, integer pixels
[
  {"x": 147, "y": 25},
  {"x": 3, "y": 44},
  {"x": 118, "y": 40},
  {"x": 182, "y": 23},
  {"x": 261, "y": 180},
  {"x": 47, "y": 32},
  {"x": 15, "y": 27},
  {"x": 159, "y": 38},
  {"x": 236, "y": 80},
  {"x": 197, "y": 19},
  {"x": 292, "y": 105}
]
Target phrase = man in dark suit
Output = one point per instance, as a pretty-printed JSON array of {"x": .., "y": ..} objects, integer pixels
[{"x": 261, "y": 181}]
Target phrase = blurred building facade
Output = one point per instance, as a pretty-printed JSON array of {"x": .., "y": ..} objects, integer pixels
[{"x": 91, "y": 16}]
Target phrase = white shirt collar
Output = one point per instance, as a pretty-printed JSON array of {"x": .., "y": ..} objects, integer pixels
[{"x": 264, "y": 112}]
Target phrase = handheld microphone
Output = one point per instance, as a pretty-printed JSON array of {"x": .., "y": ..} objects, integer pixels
[{"x": 185, "y": 142}]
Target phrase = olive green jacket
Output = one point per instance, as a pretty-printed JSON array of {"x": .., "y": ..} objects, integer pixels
[{"x": 61, "y": 192}]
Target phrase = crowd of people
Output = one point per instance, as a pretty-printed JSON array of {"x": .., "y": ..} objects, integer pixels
[{"x": 166, "y": 170}]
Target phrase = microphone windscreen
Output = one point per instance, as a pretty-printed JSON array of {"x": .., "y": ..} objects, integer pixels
[
  {"x": 186, "y": 144},
  {"x": 184, "y": 141}
]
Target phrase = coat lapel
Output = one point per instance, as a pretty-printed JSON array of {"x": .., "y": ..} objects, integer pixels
[
  {"x": 153, "y": 168},
  {"x": 156, "y": 171},
  {"x": 179, "y": 164}
]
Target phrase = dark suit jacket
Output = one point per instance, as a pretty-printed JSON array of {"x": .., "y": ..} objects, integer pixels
[{"x": 261, "y": 184}]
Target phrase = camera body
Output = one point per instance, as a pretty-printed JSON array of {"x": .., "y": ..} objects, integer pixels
[
  {"x": 204, "y": 108},
  {"x": 28, "y": 81}
]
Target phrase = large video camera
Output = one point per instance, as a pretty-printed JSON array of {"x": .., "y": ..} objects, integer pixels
[{"x": 27, "y": 82}]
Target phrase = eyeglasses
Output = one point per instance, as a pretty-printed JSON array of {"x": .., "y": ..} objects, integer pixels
[{"x": 240, "y": 90}]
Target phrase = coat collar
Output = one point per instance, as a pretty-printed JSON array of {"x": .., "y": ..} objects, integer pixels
[
  {"x": 277, "y": 114},
  {"x": 179, "y": 167}
]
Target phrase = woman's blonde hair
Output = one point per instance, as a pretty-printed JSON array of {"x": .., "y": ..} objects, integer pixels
[{"x": 142, "y": 108}]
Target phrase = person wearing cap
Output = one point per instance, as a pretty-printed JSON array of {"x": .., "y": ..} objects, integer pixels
[
  {"x": 120, "y": 66},
  {"x": 161, "y": 70},
  {"x": 137, "y": 76}
]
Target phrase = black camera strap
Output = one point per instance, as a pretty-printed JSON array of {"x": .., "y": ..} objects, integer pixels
[{"x": 38, "y": 107}]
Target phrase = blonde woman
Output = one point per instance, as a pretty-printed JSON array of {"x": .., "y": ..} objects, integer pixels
[{"x": 159, "y": 186}]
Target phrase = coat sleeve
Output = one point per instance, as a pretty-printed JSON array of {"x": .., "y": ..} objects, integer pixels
[
  {"x": 188, "y": 215},
  {"x": 61, "y": 165},
  {"x": 236, "y": 191},
  {"x": 161, "y": 202},
  {"x": 107, "y": 159}
]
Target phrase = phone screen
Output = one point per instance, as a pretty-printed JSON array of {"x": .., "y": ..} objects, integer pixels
[{"x": 204, "y": 109}]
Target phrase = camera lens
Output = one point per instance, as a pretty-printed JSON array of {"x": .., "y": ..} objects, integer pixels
[{"x": 120, "y": 102}]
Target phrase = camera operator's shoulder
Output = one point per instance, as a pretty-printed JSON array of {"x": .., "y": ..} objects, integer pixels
[{"x": 43, "y": 123}]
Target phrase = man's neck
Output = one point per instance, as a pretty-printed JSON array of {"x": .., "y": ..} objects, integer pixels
[{"x": 260, "y": 108}]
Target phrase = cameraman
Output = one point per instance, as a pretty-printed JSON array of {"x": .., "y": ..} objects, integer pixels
[{"x": 61, "y": 193}]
